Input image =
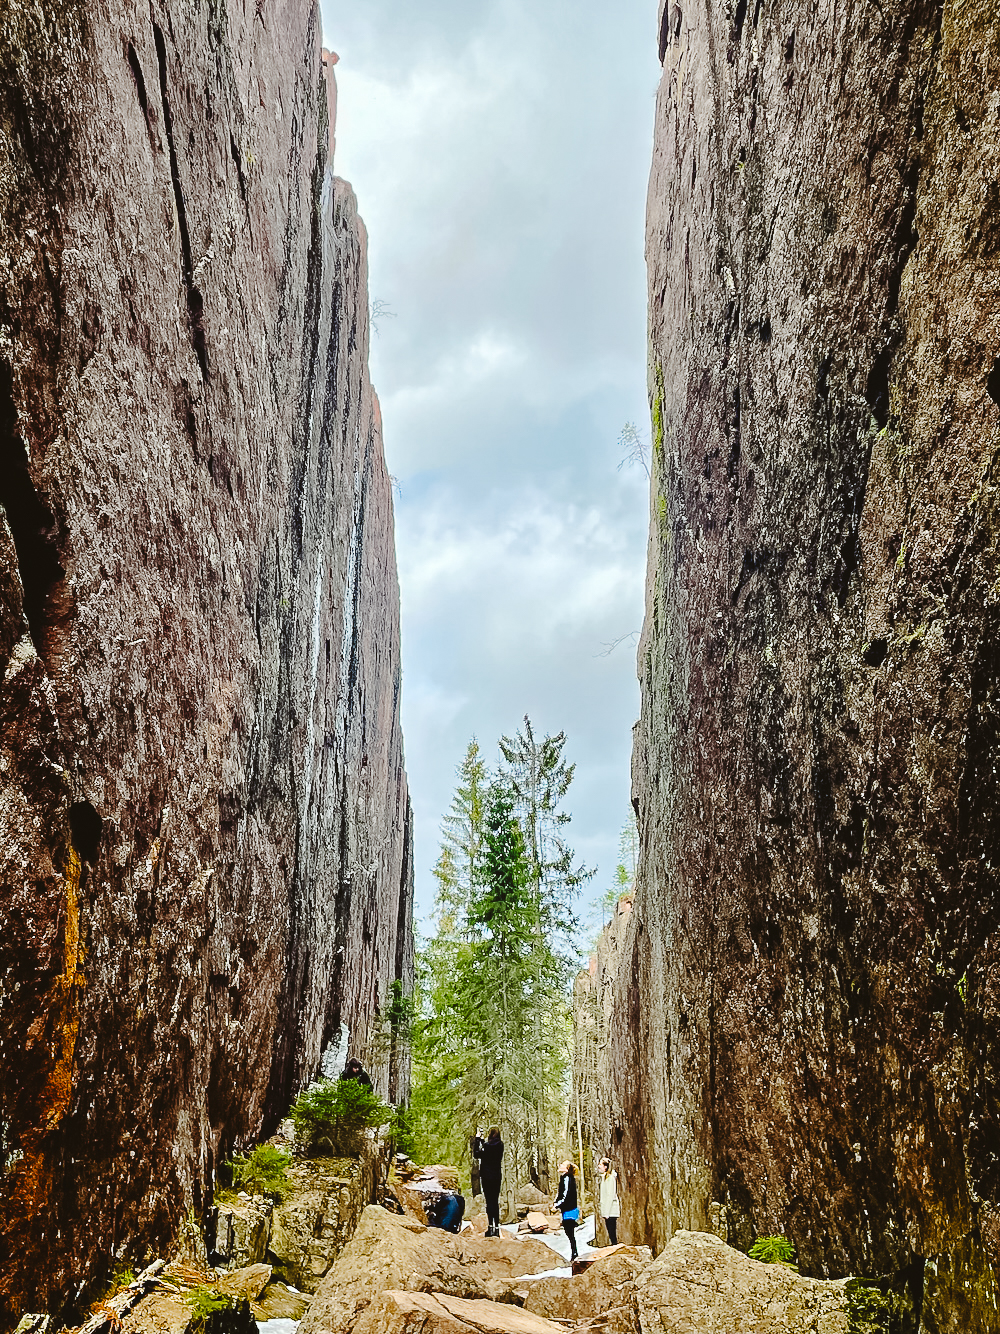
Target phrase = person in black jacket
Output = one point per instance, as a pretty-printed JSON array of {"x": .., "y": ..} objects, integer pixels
[
  {"x": 490, "y": 1154},
  {"x": 566, "y": 1203},
  {"x": 355, "y": 1070}
]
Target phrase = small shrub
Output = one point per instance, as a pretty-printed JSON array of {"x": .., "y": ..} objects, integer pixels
[
  {"x": 204, "y": 1302},
  {"x": 121, "y": 1277},
  {"x": 333, "y": 1114},
  {"x": 262, "y": 1170},
  {"x": 773, "y": 1251},
  {"x": 872, "y": 1311}
]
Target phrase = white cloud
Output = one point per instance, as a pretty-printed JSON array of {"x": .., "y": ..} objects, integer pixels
[{"x": 500, "y": 152}]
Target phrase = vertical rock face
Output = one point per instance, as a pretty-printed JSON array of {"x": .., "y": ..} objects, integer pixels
[
  {"x": 594, "y": 1096},
  {"x": 806, "y": 1027},
  {"x": 204, "y": 821}
]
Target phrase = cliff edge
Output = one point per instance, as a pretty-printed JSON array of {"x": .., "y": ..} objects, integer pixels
[
  {"x": 806, "y": 1023},
  {"x": 205, "y": 853}
]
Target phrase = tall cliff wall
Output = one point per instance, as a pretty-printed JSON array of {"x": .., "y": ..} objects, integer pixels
[
  {"x": 204, "y": 822},
  {"x": 806, "y": 1027}
]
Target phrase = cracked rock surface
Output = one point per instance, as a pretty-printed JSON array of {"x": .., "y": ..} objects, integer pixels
[
  {"x": 805, "y": 1029},
  {"x": 204, "y": 821}
]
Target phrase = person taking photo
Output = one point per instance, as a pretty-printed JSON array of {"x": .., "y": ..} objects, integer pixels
[{"x": 489, "y": 1151}]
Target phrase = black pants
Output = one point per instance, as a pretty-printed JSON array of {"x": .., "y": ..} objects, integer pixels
[
  {"x": 569, "y": 1227},
  {"x": 612, "y": 1225},
  {"x": 491, "y": 1194}
]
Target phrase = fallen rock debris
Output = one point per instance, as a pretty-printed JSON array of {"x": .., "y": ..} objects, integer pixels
[{"x": 396, "y": 1275}]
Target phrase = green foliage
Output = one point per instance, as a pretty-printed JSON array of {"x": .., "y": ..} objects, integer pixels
[
  {"x": 624, "y": 879},
  {"x": 537, "y": 778},
  {"x": 461, "y": 833},
  {"x": 402, "y": 1131},
  {"x": 204, "y": 1302},
  {"x": 869, "y": 1310},
  {"x": 121, "y": 1277},
  {"x": 656, "y": 411},
  {"x": 490, "y": 1032},
  {"x": 332, "y": 1115},
  {"x": 773, "y": 1251},
  {"x": 262, "y": 1170},
  {"x": 391, "y": 1030}
]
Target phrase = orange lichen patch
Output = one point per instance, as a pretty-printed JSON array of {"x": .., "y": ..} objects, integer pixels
[
  {"x": 56, "y": 1028},
  {"x": 61, "y": 1017}
]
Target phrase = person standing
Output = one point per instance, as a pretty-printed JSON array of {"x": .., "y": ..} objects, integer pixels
[
  {"x": 490, "y": 1155},
  {"x": 566, "y": 1204},
  {"x": 610, "y": 1205}
]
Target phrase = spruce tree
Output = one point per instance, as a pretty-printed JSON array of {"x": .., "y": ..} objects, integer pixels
[
  {"x": 539, "y": 778},
  {"x": 490, "y": 1038}
]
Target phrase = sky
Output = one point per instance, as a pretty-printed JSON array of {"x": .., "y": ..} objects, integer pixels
[{"x": 500, "y": 152}]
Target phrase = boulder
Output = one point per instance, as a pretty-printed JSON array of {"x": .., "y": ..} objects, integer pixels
[
  {"x": 238, "y": 1231},
  {"x": 533, "y": 1197},
  {"x": 446, "y": 1177},
  {"x": 641, "y": 1253},
  {"x": 318, "y": 1215},
  {"x": 165, "y": 1312},
  {"x": 410, "y": 1312},
  {"x": 699, "y": 1284},
  {"x": 608, "y": 1282},
  {"x": 416, "y": 1186},
  {"x": 389, "y": 1252},
  {"x": 280, "y": 1302},
  {"x": 249, "y": 1282}
]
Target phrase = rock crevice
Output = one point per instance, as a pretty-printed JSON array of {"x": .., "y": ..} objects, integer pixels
[
  {"x": 205, "y": 845},
  {"x": 805, "y": 1023}
]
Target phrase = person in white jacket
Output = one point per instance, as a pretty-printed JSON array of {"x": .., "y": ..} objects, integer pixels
[{"x": 610, "y": 1206}]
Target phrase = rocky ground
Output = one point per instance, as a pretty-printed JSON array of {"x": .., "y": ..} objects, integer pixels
[{"x": 321, "y": 1261}]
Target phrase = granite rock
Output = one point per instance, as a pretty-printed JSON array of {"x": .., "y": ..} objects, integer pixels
[
  {"x": 700, "y": 1285},
  {"x": 423, "y": 1312},
  {"x": 205, "y": 873},
  {"x": 326, "y": 1198},
  {"x": 394, "y": 1252},
  {"x": 608, "y": 1282},
  {"x": 805, "y": 1027}
]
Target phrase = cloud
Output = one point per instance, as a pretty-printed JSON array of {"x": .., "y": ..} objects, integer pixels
[{"x": 500, "y": 153}]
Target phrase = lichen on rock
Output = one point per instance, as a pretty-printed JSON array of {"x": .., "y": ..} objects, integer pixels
[
  {"x": 805, "y": 1025},
  {"x": 205, "y": 830}
]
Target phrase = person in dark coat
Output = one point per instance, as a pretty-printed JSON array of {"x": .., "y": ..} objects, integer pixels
[
  {"x": 355, "y": 1070},
  {"x": 566, "y": 1204},
  {"x": 449, "y": 1212},
  {"x": 489, "y": 1151}
]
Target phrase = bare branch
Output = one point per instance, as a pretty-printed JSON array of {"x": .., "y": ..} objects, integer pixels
[
  {"x": 634, "y": 447},
  {"x": 632, "y": 636}
]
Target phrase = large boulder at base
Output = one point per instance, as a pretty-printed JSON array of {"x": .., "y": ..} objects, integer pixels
[
  {"x": 413, "y": 1312},
  {"x": 169, "y": 1313},
  {"x": 393, "y": 1252},
  {"x": 238, "y": 1232},
  {"x": 609, "y": 1282},
  {"x": 249, "y": 1282},
  {"x": 699, "y": 1285},
  {"x": 280, "y": 1302},
  {"x": 321, "y": 1209}
]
